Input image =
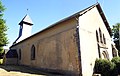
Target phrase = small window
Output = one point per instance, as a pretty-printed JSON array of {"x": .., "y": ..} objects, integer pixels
[
  {"x": 33, "y": 52},
  {"x": 19, "y": 54},
  {"x": 104, "y": 39},
  {"x": 97, "y": 36},
  {"x": 100, "y": 35},
  {"x": 114, "y": 51}
]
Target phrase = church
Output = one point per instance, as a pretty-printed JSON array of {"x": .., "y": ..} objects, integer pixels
[{"x": 69, "y": 46}]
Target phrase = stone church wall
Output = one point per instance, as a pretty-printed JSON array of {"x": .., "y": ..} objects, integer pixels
[{"x": 55, "y": 48}]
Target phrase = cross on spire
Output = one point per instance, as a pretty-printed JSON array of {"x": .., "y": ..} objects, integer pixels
[{"x": 27, "y": 10}]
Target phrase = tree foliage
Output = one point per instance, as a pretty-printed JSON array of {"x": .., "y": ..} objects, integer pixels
[
  {"x": 115, "y": 31},
  {"x": 3, "y": 28},
  {"x": 116, "y": 60},
  {"x": 116, "y": 35}
]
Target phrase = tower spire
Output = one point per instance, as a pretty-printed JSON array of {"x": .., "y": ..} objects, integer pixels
[
  {"x": 26, "y": 20},
  {"x": 25, "y": 28}
]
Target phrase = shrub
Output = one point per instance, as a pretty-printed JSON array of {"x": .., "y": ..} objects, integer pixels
[
  {"x": 116, "y": 60},
  {"x": 105, "y": 67}
]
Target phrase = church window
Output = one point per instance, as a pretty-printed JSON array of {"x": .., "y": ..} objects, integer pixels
[
  {"x": 97, "y": 36},
  {"x": 99, "y": 51},
  {"x": 33, "y": 52},
  {"x": 100, "y": 35},
  {"x": 19, "y": 54},
  {"x": 114, "y": 52},
  {"x": 104, "y": 39}
]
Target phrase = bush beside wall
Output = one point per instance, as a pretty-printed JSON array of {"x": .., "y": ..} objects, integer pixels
[
  {"x": 116, "y": 60},
  {"x": 105, "y": 67}
]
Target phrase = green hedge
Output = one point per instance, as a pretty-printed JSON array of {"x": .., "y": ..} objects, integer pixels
[
  {"x": 105, "y": 67},
  {"x": 116, "y": 60}
]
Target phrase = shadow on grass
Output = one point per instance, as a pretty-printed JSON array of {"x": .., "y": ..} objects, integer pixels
[
  {"x": 45, "y": 72},
  {"x": 23, "y": 69}
]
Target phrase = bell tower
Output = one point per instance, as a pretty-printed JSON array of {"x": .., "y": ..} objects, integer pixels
[{"x": 25, "y": 28}]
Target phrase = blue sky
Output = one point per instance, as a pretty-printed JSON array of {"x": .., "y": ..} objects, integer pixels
[{"x": 46, "y": 12}]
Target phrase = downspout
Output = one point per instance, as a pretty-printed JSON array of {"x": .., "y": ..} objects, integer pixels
[{"x": 78, "y": 45}]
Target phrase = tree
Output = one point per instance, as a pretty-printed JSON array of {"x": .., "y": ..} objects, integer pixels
[
  {"x": 3, "y": 28},
  {"x": 116, "y": 36}
]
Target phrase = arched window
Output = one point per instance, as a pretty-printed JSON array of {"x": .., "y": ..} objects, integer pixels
[
  {"x": 97, "y": 38},
  {"x": 105, "y": 54},
  {"x": 114, "y": 52},
  {"x": 100, "y": 35},
  {"x": 33, "y": 52},
  {"x": 19, "y": 54},
  {"x": 104, "y": 39}
]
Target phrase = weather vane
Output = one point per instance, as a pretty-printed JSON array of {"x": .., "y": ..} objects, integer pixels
[{"x": 27, "y": 10}]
